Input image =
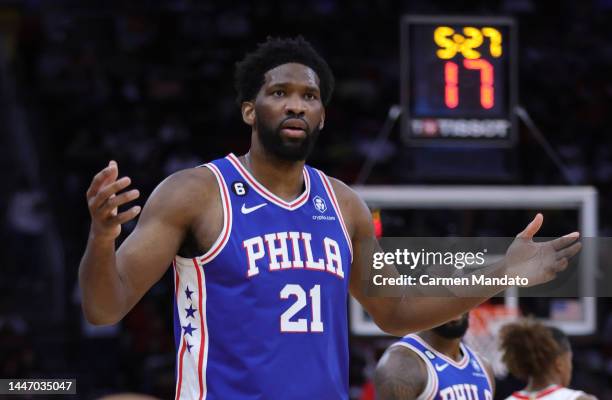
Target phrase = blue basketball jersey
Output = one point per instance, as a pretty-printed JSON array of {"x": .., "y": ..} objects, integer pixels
[
  {"x": 448, "y": 379},
  {"x": 263, "y": 314}
]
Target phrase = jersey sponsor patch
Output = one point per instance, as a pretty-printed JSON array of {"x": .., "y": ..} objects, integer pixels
[{"x": 319, "y": 204}]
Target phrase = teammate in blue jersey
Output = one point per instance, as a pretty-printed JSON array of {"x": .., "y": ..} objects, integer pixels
[
  {"x": 264, "y": 249},
  {"x": 434, "y": 364}
]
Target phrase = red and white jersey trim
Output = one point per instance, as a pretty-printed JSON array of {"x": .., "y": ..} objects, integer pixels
[
  {"x": 553, "y": 392},
  {"x": 203, "y": 353},
  {"x": 431, "y": 387},
  {"x": 265, "y": 193},
  {"x": 224, "y": 236},
  {"x": 332, "y": 195},
  {"x": 192, "y": 356}
]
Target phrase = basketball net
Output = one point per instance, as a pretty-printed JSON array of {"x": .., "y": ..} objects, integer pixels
[{"x": 482, "y": 336}]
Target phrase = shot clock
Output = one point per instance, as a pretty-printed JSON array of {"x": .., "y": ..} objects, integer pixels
[{"x": 458, "y": 80}]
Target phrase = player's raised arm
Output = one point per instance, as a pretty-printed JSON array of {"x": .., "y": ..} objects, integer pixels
[
  {"x": 113, "y": 281},
  {"x": 539, "y": 262}
]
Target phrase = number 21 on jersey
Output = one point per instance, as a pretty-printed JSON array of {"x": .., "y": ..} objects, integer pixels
[{"x": 301, "y": 324}]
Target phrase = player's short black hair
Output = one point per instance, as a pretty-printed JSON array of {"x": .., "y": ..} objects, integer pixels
[{"x": 249, "y": 76}]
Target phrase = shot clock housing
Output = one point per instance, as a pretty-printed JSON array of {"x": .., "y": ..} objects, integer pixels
[{"x": 458, "y": 81}]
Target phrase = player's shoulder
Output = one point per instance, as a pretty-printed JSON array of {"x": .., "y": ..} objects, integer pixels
[
  {"x": 355, "y": 212},
  {"x": 585, "y": 396},
  {"x": 400, "y": 370},
  {"x": 186, "y": 190},
  {"x": 192, "y": 178},
  {"x": 397, "y": 356},
  {"x": 188, "y": 181},
  {"x": 343, "y": 191},
  {"x": 481, "y": 358},
  {"x": 354, "y": 209}
]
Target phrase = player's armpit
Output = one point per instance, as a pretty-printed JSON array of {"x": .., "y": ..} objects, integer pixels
[
  {"x": 400, "y": 375},
  {"x": 167, "y": 217},
  {"x": 360, "y": 227}
]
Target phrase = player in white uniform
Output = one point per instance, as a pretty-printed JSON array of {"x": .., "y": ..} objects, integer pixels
[{"x": 542, "y": 356}]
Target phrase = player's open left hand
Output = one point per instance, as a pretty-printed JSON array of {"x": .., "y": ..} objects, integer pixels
[
  {"x": 103, "y": 201},
  {"x": 540, "y": 262}
]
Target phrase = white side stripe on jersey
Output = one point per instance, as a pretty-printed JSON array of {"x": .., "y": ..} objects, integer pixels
[
  {"x": 204, "y": 339},
  {"x": 181, "y": 348},
  {"x": 187, "y": 380},
  {"x": 192, "y": 357}
]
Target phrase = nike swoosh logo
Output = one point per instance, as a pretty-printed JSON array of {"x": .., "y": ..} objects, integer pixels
[
  {"x": 441, "y": 368},
  {"x": 247, "y": 210}
]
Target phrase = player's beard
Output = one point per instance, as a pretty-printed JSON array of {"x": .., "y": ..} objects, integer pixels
[
  {"x": 453, "y": 329},
  {"x": 285, "y": 148}
]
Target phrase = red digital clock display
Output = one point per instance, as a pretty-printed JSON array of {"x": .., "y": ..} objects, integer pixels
[{"x": 458, "y": 80}]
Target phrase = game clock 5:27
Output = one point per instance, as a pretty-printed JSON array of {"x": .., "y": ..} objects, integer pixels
[{"x": 458, "y": 80}]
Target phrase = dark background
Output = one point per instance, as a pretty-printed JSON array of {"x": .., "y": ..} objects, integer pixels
[{"x": 149, "y": 84}]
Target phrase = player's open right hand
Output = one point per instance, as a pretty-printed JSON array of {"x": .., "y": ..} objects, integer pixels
[
  {"x": 540, "y": 262},
  {"x": 103, "y": 202}
]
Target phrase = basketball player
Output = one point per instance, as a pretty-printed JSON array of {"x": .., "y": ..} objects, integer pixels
[
  {"x": 542, "y": 356},
  {"x": 264, "y": 249},
  {"x": 434, "y": 364}
]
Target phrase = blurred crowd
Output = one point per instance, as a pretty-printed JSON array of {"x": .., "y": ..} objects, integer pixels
[{"x": 150, "y": 85}]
